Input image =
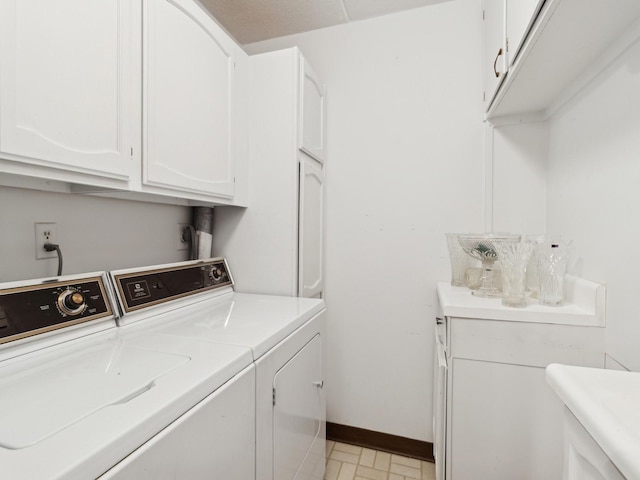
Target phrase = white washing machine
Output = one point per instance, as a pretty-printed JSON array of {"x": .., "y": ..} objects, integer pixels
[
  {"x": 195, "y": 301},
  {"x": 82, "y": 398}
]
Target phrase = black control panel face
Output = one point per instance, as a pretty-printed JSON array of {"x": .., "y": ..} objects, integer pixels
[
  {"x": 29, "y": 310},
  {"x": 142, "y": 289}
]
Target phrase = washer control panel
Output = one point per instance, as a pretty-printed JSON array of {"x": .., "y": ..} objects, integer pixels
[
  {"x": 144, "y": 288},
  {"x": 50, "y": 305}
]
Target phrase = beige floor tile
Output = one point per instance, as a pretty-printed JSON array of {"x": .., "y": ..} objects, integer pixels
[
  {"x": 409, "y": 472},
  {"x": 367, "y": 457},
  {"x": 344, "y": 457},
  {"x": 383, "y": 459},
  {"x": 344, "y": 447},
  {"x": 329, "y": 447},
  {"x": 409, "y": 462},
  {"x": 428, "y": 471},
  {"x": 332, "y": 470},
  {"x": 347, "y": 472},
  {"x": 350, "y": 462},
  {"x": 372, "y": 473}
]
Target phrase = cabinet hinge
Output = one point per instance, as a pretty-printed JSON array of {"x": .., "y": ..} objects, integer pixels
[
  {"x": 507, "y": 44},
  {"x": 131, "y": 152},
  {"x": 274, "y": 397},
  {"x": 484, "y": 96},
  {"x": 483, "y": 15}
]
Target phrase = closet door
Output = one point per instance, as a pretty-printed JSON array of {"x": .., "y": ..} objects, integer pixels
[
  {"x": 188, "y": 92},
  {"x": 69, "y": 85},
  {"x": 310, "y": 228}
]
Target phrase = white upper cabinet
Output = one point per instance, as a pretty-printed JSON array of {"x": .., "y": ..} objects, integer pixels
[
  {"x": 313, "y": 122},
  {"x": 69, "y": 88},
  {"x": 494, "y": 46},
  {"x": 188, "y": 100},
  {"x": 567, "y": 43},
  {"x": 505, "y": 24}
]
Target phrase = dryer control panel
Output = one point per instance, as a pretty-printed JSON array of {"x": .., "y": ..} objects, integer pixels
[
  {"x": 28, "y": 310},
  {"x": 144, "y": 288}
]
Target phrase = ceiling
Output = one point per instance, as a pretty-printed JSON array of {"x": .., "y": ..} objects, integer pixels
[{"x": 250, "y": 21}]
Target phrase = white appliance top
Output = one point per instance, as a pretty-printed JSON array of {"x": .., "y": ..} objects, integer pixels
[
  {"x": 258, "y": 322},
  {"x": 584, "y": 305},
  {"x": 76, "y": 409},
  {"x": 606, "y": 404},
  {"x": 206, "y": 306}
]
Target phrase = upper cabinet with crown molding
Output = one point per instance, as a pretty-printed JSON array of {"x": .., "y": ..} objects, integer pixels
[
  {"x": 567, "y": 44},
  {"x": 139, "y": 99}
]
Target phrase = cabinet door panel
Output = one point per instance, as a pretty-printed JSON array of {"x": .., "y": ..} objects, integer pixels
[
  {"x": 494, "y": 47},
  {"x": 310, "y": 250},
  {"x": 67, "y": 84},
  {"x": 312, "y": 122},
  {"x": 506, "y": 423},
  {"x": 299, "y": 411},
  {"x": 189, "y": 81}
]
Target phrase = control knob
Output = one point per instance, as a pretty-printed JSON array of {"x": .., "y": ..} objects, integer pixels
[
  {"x": 71, "y": 302},
  {"x": 215, "y": 273}
]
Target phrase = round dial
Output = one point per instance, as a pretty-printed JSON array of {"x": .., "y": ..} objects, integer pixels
[
  {"x": 215, "y": 273},
  {"x": 71, "y": 302}
]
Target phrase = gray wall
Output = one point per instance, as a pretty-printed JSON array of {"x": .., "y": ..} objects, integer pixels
[{"x": 94, "y": 233}]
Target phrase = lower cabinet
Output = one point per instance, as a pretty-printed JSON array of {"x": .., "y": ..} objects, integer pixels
[
  {"x": 215, "y": 439},
  {"x": 503, "y": 421}
]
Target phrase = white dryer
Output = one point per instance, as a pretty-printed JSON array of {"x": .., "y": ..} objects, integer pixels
[
  {"x": 82, "y": 398},
  {"x": 195, "y": 301}
]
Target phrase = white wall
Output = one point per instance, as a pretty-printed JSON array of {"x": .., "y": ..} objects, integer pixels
[
  {"x": 518, "y": 178},
  {"x": 94, "y": 233},
  {"x": 405, "y": 149},
  {"x": 593, "y": 194}
]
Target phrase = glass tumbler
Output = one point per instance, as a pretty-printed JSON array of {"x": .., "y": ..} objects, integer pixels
[
  {"x": 551, "y": 259},
  {"x": 514, "y": 258},
  {"x": 460, "y": 261}
]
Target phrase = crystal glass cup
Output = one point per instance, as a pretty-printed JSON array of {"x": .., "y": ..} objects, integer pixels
[
  {"x": 460, "y": 261},
  {"x": 514, "y": 258},
  {"x": 481, "y": 247},
  {"x": 551, "y": 258}
]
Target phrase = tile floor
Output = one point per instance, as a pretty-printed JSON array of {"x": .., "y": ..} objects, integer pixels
[{"x": 348, "y": 462}]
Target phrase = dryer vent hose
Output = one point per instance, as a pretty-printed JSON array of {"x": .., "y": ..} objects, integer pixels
[{"x": 202, "y": 241}]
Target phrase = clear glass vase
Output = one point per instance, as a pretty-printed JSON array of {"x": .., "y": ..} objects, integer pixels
[
  {"x": 551, "y": 257},
  {"x": 514, "y": 258},
  {"x": 460, "y": 261}
]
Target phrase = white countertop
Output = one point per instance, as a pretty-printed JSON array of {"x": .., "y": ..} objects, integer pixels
[
  {"x": 606, "y": 404},
  {"x": 584, "y": 305}
]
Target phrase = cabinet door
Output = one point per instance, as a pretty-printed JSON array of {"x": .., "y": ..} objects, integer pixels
[
  {"x": 69, "y": 76},
  {"x": 519, "y": 17},
  {"x": 188, "y": 93},
  {"x": 299, "y": 414},
  {"x": 310, "y": 228},
  {"x": 506, "y": 423},
  {"x": 312, "y": 114},
  {"x": 494, "y": 45}
]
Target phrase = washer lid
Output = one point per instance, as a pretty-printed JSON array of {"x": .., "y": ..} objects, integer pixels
[{"x": 49, "y": 393}]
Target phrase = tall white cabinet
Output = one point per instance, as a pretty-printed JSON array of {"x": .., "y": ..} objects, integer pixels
[{"x": 276, "y": 245}]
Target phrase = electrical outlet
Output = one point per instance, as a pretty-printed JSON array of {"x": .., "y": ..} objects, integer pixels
[
  {"x": 45, "y": 233},
  {"x": 184, "y": 243}
]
